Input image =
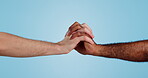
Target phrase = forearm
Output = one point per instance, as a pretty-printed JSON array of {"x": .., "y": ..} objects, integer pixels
[
  {"x": 15, "y": 46},
  {"x": 134, "y": 51}
]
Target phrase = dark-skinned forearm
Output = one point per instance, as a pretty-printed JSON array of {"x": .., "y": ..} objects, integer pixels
[{"x": 133, "y": 51}]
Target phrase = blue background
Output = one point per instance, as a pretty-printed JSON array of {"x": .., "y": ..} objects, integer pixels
[{"x": 111, "y": 21}]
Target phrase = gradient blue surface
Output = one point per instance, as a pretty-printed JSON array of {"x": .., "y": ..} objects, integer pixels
[{"x": 111, "y": 21}]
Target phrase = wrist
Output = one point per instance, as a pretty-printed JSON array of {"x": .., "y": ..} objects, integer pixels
[
  {"x": 62, "y": 49},
  {"x": 99, "y": 50},
  {"x": 54, "y": 49}
]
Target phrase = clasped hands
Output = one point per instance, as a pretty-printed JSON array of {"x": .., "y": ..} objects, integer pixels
[{"x": 80, "y": 38}]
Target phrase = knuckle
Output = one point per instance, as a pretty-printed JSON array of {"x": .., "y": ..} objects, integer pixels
[
  {"x": 84, "y": 29},
  {"x": 78, "y": 27},
  {"x": 70, "y": 28},
  {"x": 79, "y": 33},
  {"x": 75, "y": 28}
]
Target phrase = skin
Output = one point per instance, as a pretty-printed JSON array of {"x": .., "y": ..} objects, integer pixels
[
  {"x": 132, "y": 51},
  {"x": 15, "y": 46},
  {"x": 83, "y": 47}
]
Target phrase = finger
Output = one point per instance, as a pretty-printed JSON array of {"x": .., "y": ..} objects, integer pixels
[
  {"x": 73, "y": 25},
  {"x": 85, "y": 30},
  {"x": 68, "y": 36},
  {"x": 74, "y": 29},
  {"x": 78, "y": 34},
  {"x": 87, "y": 39},
  {"x": 82, "y": 38},
  {"x": 87, "y": 27},
  {"x": 67, "y": 33}
]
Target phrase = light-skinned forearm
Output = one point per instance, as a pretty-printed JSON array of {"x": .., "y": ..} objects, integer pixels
[
  {"x": 133, "y": 51},
  {"x": 15, "y": 46}
]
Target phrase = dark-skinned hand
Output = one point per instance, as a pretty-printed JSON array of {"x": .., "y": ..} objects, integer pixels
[{"x": 82, "y": 47}]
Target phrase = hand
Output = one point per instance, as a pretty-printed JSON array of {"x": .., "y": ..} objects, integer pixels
[
  {"x": 71, "y": 41},
  {"x": 83, "y": 47}
]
